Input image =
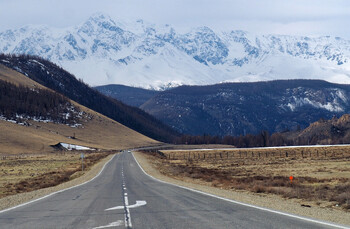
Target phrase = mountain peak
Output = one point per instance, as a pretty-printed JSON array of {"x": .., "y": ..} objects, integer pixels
[
  {"x": 99, "y": 17},
  {"x": 100, "y": 20},
  {"x": 205, "y": 29}
]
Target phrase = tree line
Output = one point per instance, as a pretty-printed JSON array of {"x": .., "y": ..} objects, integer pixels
[
  {"x": 263, "y": 139},
  {"x": 19, "y": 101}
]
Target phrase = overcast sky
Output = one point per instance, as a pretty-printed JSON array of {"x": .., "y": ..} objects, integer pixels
[{"x": 297, "y": 17}]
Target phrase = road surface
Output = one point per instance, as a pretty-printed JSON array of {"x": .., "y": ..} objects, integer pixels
[{"x": 122, "y": 196}]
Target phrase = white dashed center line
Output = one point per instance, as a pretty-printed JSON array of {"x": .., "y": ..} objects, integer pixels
[
  {"x": 126, "y": 207},
  {"x": 127, "y": 217}
]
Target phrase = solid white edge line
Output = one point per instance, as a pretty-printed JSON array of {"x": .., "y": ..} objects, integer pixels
[
  {"x": 53, "y": 193},
  {"x": 270, "y": 147},
  {"x": 244, "y": 204}
]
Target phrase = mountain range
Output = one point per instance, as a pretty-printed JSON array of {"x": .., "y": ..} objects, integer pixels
[
  {"x": 103, "y": 51},
  {"x": 240, "y": 108},
  {"x": 36, "y": 93}
]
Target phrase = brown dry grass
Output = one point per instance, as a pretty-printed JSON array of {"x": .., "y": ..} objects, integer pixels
[
  {"x": 31, "y": 172},
  {"x": 321, "y": 175},
  {"x": 100, "y": 132},
  {"x": 16, "y": 78}
]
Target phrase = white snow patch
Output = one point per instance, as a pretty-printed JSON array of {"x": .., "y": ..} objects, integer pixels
[
  {"x": 333, "y": 106},
  {"x": 341, "y": 95},
  {"x": 35, "y": 61},
  {"x": 74, "y": 147}
]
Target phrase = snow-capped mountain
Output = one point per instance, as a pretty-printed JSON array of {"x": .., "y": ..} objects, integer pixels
[{"x": 103, "y": 51}]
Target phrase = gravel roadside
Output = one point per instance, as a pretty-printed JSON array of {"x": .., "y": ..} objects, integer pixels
[
  {"x": 263, "y": 200},
  {"x": 21, "y": 198}
]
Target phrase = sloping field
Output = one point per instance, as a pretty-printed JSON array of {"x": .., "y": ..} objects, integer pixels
[
  {"x": 16, "y": 78},
  {"x": 97, "y": 131}
]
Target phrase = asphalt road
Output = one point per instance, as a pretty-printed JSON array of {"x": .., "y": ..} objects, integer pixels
[{"x": 134, "y": 200}]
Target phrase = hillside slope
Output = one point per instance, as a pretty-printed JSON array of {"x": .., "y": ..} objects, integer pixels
[
  {"x": 27, "y": 133},
  {"x": 57, "y": 79},
  {"x": 132, "y": 96},
  {"x": 333, "y": 131},
  {"x": 248, "y": 108}
]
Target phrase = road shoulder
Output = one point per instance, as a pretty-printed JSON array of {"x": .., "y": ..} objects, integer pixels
[{"x": 274, "y": 202}]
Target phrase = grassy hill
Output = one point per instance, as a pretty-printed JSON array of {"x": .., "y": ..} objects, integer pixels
[
  {"x": 61, "y": 81},
  {"x": 96, "y": 130}
]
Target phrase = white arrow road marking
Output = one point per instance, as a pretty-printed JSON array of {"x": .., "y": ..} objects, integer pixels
[
  {"x": 114, "y": 224},
  {"x": 139, "y": 203}
]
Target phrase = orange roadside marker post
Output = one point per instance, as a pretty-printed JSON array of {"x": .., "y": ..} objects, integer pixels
[{"x": 291, "y": 179}]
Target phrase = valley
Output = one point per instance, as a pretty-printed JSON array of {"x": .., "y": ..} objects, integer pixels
[{"x": 175, "y": 114}]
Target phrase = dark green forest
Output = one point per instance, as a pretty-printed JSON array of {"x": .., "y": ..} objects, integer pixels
[{"x": 18, "y": 103}]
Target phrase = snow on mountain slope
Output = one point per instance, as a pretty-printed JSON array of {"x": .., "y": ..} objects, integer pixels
[
  {"x": 102, "y": 51},
  {"x": 241, "y": 108}
]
